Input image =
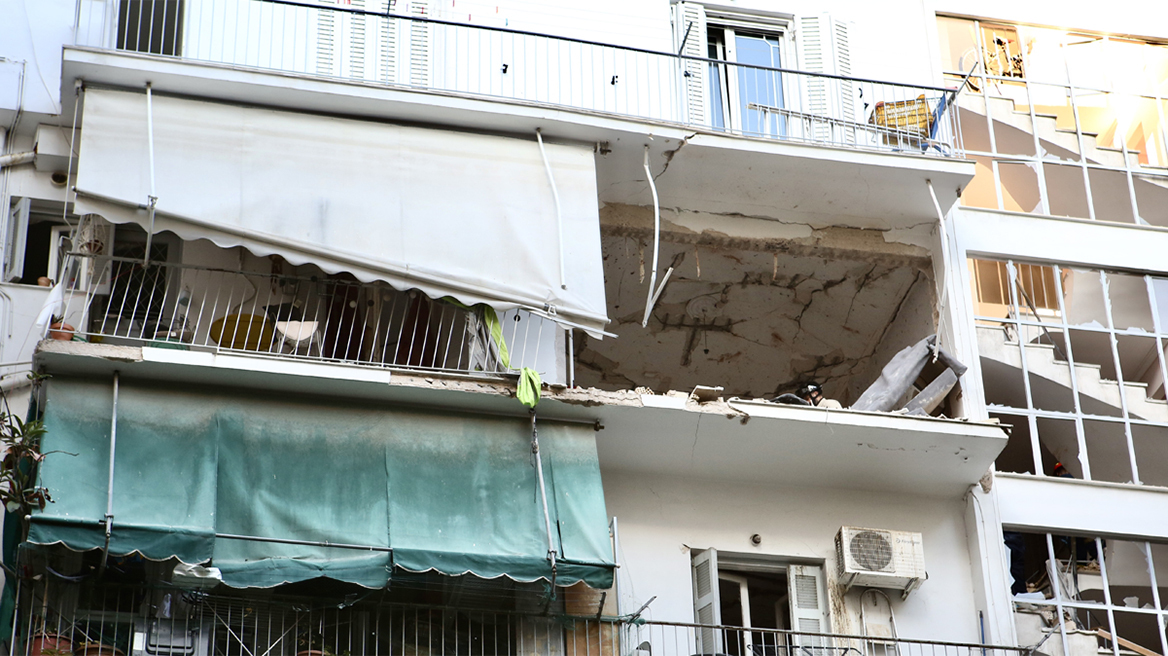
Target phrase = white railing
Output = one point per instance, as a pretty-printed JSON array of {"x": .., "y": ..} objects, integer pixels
[
  {"x": 83, "y": 617},
  {"x": 374, "y": 45},
  {"x": 335, "y": 318}
]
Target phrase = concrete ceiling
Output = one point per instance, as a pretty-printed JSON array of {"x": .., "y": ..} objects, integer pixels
[{"x": 755, "y": 316}]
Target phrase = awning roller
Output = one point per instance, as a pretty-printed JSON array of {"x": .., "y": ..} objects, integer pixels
[
  {"x": 199, "y": 467},
  {"x": 450, "y": 213}
]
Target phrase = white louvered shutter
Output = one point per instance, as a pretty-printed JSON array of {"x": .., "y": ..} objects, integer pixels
[
  {"x": 328, "y": 39},
  {"x": 14, "y": 242},
  {"x": 356, "y": 68},
  {"x": 823, "y": 46},
  {"x": 387, "y": 40},
  {"x": 419, "y": 44},
  {"x": 808, "y": 595},
  {"x": 690, "y": 39},
  {"x": 707, "y": 604}
]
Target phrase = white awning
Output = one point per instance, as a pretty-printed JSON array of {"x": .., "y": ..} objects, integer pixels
[{"x": 449, "y": 213}]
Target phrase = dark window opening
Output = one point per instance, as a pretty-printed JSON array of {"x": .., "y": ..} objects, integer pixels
[{"x": 154, "y": 26}]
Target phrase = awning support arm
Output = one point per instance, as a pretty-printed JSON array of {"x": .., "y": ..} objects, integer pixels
[
  {"x": 109, "y": 495},
  {"x": 152, "y": 199},
  {"x": 555, "y": 196},
  {"x": 654, "y": 290},
  {"x": 547, "y": 520}
]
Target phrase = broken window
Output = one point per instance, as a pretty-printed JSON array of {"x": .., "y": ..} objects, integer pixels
[
  {"x": 1092, "y": 102},
  {"x": 1074, "y": 360},
  {"x": 1091, "y": 594}
]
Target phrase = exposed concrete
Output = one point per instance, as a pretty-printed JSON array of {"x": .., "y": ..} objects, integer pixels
[{"x": 754, "y": 305}]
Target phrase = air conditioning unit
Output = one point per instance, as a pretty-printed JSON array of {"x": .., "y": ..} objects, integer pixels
[{"x": 878, "y": 558}]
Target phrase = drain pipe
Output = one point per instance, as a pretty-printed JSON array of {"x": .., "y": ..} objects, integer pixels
[
  {"x": 109, "y": 496},
  {"x": 152, "y": 199},
  {"x": 944, "y": 267},
  {"x": 547, "y": 520},
  {"x": 17, "y": 158},
  {"x": 555, "y": 196},
  {"x": 654, "y": 290}
]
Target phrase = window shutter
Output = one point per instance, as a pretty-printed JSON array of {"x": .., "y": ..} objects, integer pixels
[
  {"x": 326, "y": 42},
  {"x": 690, "y": 37},
  {"x": 808, "y": 597},
  {"x": 419, "y": 44},
  {"x": 387, "y": 42},
  {"x": 17, "y": 233},
  {"x": 823, "y": 45},
  {"x": 707, "y": 605},
  {"x": 356, "y": 43}
]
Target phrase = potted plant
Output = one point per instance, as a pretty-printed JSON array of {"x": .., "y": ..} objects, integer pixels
[
  {"x": 50, "y": 644},
  {"x": 60, "y": 330},
  {"x": 20, "y": 441}
]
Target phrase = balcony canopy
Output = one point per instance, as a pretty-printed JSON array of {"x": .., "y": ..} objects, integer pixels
[
  {"x": 257, "y": 485},
  {"x": 456, "y": 214}
]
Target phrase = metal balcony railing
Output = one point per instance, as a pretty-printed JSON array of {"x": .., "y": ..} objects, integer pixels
[
  {"x": 80, "y": 616},
  {"x": 366, "y": 41},
  {"x": 334, "y": 318}
]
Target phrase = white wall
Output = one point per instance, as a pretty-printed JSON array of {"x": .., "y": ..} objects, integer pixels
[
  {"x": 34, "y": 31},
  {"x": 660, "y": 519}
]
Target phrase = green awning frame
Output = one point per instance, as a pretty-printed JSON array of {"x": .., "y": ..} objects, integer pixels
[{"x": 256, "y": 484}]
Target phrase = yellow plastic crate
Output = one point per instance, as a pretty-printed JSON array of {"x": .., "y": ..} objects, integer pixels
[{"x": 910, "y": 116}]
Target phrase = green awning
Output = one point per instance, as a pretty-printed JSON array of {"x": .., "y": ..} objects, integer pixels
[{"x": 257, "y": 485}]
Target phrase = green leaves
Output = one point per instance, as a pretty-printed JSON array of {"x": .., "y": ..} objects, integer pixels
[{"x": 21, "y": 442}]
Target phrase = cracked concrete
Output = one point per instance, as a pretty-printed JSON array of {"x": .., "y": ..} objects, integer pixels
[{"x": 755, "y": 305}]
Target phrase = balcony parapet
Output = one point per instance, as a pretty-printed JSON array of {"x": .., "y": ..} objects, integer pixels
[{"x": 426, "y": 54}]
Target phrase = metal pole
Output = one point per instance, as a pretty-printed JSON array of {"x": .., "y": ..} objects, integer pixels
[
  {"x": 555, "y": 196},
  {"x": 152, "y": 199},
  {"x": 543, "y": 497},
  {"x": 109, "y": 497}
]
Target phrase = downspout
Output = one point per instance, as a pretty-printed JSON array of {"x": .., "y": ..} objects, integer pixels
[
  {"x": 654, "y": 291},
  {"x": 556, "y": 197},
  {"x": 152, "y": 199},
  {"x": 547, "y": 520},
  {"x": 109, "y": 496}
]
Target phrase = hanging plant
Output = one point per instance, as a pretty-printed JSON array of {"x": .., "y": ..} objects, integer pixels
[{"x": 21, "y": 444}]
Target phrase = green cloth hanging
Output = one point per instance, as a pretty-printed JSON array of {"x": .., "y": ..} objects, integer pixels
[
  {"x": 529, "y": 386},
  {"x": 496, "y": 327}
]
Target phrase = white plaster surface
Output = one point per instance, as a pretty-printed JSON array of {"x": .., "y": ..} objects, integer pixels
[{"x": 662, "y": 518}]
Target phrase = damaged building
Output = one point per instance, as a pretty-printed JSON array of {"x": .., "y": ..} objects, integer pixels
[{"x": 665, "y": 328}]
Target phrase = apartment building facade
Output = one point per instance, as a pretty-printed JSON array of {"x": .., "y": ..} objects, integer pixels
[{"x": 299, "y": 262}]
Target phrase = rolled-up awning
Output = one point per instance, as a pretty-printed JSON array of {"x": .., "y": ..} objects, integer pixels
[
  {"x": 455, "y": 214},
  {"x": 262, "y": 487}
]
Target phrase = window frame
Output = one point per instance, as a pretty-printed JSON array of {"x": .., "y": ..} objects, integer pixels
[
  {"x": 731, "y": 568},
  {"x": 728, "y": 24}
]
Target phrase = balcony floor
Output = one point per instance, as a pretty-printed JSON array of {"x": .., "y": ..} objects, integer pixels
[{"x": 741, "y": 440}]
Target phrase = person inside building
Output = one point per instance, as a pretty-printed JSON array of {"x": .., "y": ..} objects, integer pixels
[
  {"x": 812, "y": 393},
  {"x": 1081, "y": 549}
]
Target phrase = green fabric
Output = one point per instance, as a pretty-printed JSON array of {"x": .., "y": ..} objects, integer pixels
[
  {"x": 529, "y": 387},
  {"x": 166, "y": 453},
  {"x": 445, "y": 492},
  {"x": 496, "y": 327}
]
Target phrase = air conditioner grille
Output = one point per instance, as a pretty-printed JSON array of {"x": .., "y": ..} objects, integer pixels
[{"x": 871, "y": 550}]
